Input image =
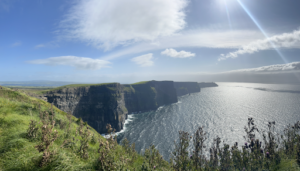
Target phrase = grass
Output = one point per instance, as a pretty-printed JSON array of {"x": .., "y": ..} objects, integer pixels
[
  {"x": 30, "y": 90},
  {"x": 73, "y": 86},
  {"x": 288, "y": 165},
  {"x": 18, "y": 152},
  {"x": 141, "y": 82},
  {"x": 129, "y": 89}
]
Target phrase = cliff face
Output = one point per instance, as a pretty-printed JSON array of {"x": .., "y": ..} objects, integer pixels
[
  {"x": 149, "y": 95},
  {"x": 110, "y": 103},
  {"x": 203, "y": 84},
  {"x": 98, "y": 105},
  {"x": 183, "y": 88}
]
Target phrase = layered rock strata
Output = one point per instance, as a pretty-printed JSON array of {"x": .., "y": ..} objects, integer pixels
[
  {"x": 98, "y": 105},
  {"x": 110, "y": 103},
  {"x": 149, "y": 96},
  {"x": 183, "y": 88},
  {"x": 211, "y": 84}
]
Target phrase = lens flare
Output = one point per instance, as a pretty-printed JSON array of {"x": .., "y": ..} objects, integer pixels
[
  {"x": 265, "y": 34},
  {"x": 262, "y": 30},
  {"x": 228, "y": 17}
]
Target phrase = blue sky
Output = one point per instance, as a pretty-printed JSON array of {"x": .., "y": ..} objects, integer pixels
[{"x": 132, "y": 40}]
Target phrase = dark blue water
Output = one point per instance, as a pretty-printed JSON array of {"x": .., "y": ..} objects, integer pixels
[{"x": 222, "y": 110}]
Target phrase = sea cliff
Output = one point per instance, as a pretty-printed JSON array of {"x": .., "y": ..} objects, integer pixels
[
  {"x": 110, "y": 103},
  {"x": 96, "y": 104},
  {"x": 183, "y": 88},
  {"x": 208, "y": 84},
  {"x": 149, "y": 95}
]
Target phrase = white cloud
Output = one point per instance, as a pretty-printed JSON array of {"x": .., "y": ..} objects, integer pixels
[
  {"x": 40, "y": 46},
  {"x": 18, "y": 43},
  {"x": 285, "y": 40},
  {"x": 294, "y": 66},
  {"x": 5, "y": 5},
  {"x": 144, "y": 60},
  {"x": 174, "y": 54},
  {"x": 74, "y": 61},
  {"x": 107, "y": 24},
  {"x": 195, "y": 38}
]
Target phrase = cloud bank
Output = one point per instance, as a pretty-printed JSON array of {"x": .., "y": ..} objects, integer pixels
[
  {"x": 285, "y": 40},
  {"x": 284, "y": 74},
  {"x": 106, "y": 24},
  {"x": 294, "y": 66},
  {"x": 193, "y": 38},
  {"x": 174, "y": 54},
  {"x": 144, "y": 60},
  {"x": 81, "y": 63}
]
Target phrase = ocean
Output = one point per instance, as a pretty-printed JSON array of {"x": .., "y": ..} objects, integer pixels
[{"x": 223, "y": 111}]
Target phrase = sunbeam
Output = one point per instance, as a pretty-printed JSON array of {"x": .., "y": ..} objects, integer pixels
[
  {"x": 262, "y": 30},
  {"x": 228, "y": 17},
  {"x": 265, "y": 34}
]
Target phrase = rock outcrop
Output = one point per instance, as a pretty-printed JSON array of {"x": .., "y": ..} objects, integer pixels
[
  {"x": 183, "y": 88},
  {"x": 149, "y": 95},
  {"x": 211, "y": 84},
  {"x": 109, "y": 103},
  {"x": 97, "y": 104}
]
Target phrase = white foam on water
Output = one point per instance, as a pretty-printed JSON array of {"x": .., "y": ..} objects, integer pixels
[
  {"x": 158, "y": 109},
  {"x": 130, "y": 118}
]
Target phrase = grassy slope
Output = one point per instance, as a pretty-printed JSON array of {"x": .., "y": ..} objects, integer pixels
[
  {"x": 17, "y": 152},
  {"x": 30, "y": 90},
  {"x": 72, "y": 86},
  {"x": 141, "y": 82},
  {"x": 36, "y": 90}
]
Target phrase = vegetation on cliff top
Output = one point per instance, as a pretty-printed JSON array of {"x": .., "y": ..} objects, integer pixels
[
  {"x": 74, "y": 86},
  {"x": 141, "y": 82},
  {"x": 37, "y": 136}
]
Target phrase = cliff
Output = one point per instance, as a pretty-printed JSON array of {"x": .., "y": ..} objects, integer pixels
[
  {"x": 110, "y": 103},
  {"x": 145, "y": 96},
  {"x": 183, "y": 88},
  {"x": 96, "y": 104},
  {"x": 203, "y": 84}
]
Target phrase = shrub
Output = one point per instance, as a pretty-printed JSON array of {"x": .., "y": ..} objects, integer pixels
[
  {"x": 48, "y": 137},
  {"x": 84, "y": 146},
  {"x": 198, "y": 157},
  {"x": 179, "y": 159},
  {"x": 32, "y": 130}
]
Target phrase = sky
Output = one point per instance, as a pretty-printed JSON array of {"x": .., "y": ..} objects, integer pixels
[{"x": 128, "y": 41}]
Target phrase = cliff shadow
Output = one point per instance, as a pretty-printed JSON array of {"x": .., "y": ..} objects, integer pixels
[{"x": 102, "y": 105}]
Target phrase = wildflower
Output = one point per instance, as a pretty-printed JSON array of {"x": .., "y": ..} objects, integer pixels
[
  {"x": 154, "y": 167},
  {"x": 261, "y": 150},
  {"x": 268, "y": 155}
]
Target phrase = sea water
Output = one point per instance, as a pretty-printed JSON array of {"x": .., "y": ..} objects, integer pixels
[{"x": 223, "y": 111}]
